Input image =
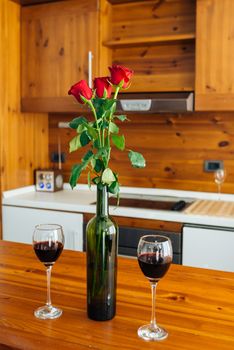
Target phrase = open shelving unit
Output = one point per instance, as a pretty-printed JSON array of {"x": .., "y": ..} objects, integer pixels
[{"x": 156, "y": 40}]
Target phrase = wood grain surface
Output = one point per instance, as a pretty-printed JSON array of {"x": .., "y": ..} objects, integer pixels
[
  {"x": 195, "y": 305},
  {"x": 55, "y": 56},
  {"x": 175, "y": 147},
  {"x": 211, "y": 208},
  {"x": 149, "y": 224},
  {"x": 23, "y": 137},
  {"x": 214, "y": 55},
  {"x": 155, "y": 39}
]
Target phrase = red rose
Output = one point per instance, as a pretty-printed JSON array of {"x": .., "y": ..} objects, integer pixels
[
  {"x": 102, "y": 84},
  {"x": 81, "y": 89},
  {"x": 119, "y": 74}
]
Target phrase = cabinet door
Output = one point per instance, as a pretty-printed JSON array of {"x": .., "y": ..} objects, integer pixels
[
  {"x": 215, "y": 55},
  {"x": 56, "y": 40},
  {"x": 210, "y": 248},
  {"x": 19, "y": 223}
]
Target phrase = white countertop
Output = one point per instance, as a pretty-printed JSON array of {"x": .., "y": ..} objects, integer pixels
[{"x": 81, "y": 199}]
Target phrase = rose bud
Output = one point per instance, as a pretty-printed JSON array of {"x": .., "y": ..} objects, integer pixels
[
  {"x": 101, "y": 85},
  {"x": 81, "y": 89},
  {"x": 120, "y": 74}
]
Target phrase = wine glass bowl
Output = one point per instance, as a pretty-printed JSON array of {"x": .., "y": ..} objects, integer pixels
[
  {"x": 154, "y": 255},
  {"x": 48, "y": 242}
]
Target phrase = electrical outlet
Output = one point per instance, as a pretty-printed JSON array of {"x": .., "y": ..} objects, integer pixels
[
  {"x": 55, "y": 157},
  {"x": 211, "y": 166}
]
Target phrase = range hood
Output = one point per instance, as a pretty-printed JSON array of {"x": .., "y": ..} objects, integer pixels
[{"x": 170, "y": 102}]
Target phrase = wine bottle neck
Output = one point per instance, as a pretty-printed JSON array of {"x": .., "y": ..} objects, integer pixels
[{"x": 102, "y": 202}]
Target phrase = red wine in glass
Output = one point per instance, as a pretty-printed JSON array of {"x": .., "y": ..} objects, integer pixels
[
  {"x": 48, "y": 251},
  {"x": 152, "y": 267},
  {"x": 154, "y": 255},
  {"x": 48, "y": 242}
]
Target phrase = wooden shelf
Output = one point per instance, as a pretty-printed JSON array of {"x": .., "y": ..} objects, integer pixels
[
  {"x": 116, "y": 2},
  {"x": 65, "y": 104},
  {"x": 148, "y": 40}
]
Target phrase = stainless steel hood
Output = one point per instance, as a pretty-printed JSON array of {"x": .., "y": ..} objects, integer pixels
[{"x": 170, "y": 102}]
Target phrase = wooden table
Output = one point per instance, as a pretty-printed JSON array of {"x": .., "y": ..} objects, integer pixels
[{"x": 195, "y": 305}]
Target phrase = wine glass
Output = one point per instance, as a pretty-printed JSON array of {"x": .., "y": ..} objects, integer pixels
[
  {"x": 48, "y": 242},
  {"x": 154, "y": 255},
  {"x": 219, "y": 177}
]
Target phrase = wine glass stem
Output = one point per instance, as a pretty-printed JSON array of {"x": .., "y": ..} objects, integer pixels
[
  {"x": 219, "y": 189},
  {"x": 153, "y": 315},
  {"x": 48, "y": 274}
]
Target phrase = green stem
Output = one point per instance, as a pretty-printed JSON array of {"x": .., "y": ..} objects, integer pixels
[
  {"x": 116, "y": 92},
  {"x": 103, "y": 137},
  {"x": 95, "y": 116},
  {"x": 108, "y": 132}
]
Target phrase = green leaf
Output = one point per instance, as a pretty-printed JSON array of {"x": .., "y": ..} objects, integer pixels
[
  {"x": 103, "y": 125},
  {"x": 78, "y": 168},
  {"x": 96, "y": 144},
  {"x": 91, "y": 131},
  {"x": 74, "y": 144},
  {"x": 98, "y": 104},
  {"x": 114, "y": 187},
  {"x": 81, "y": 128},
  {"x": 109, "y": 104},
  {"x": 87, "y": 156},
  {"x": 113, "y": 128},
  {"x": 84, "y": 138},
  {"x": 113, "y": 108},
  {"x": 75, "y": 174},
  {"x": 98, "y": 166},
  {"x": 118, "y": 141},
  {"x": 102, "y": 106},
  {"x": 77, "y": 121},
  {"x": 137, "y": 159},
  {"x": 96, "y": 180},
  {"x": 122, "y": 118},
  {"x": 107, "y": 114},
  {"x": 108, "y": 176}
]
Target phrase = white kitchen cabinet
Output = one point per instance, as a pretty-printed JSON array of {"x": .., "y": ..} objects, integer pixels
[
  {"x": 208, "y": 247},
  {"x": 19, "y": 223}
]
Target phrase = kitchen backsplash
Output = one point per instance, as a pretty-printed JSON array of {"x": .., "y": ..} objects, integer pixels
[{"x": 175, "y": 147}]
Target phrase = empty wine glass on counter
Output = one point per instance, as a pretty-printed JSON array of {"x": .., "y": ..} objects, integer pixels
[
  {"x": 219, "y": 177},
  {"x": 48, "y": 243},
  {"x": 154, "y": 255}
]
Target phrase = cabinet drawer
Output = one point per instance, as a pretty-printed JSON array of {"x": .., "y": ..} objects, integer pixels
[{"x": 19, "y": 223}]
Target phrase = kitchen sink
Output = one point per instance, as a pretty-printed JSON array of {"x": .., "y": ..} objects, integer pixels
[{"x": 151, "y": 202}]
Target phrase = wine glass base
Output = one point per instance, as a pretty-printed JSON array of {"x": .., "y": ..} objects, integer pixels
[
  {"x": 147, "y": 332},
  {"x": 48, "y": 312}
]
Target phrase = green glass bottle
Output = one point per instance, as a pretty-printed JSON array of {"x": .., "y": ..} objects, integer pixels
[{"x": 101, "y": 250}]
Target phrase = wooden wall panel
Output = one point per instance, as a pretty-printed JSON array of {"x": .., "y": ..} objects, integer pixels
[
  {"x": 215, "y": 55},
  {"x": 175, "y": 147},
  {"x": 105, "y": 23},
  {"x": 23, "y": 137}
]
